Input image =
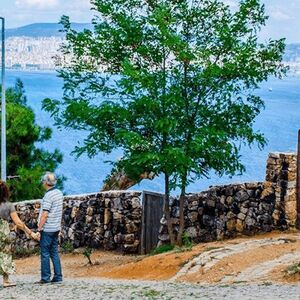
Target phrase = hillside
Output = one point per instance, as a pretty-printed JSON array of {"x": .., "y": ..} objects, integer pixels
[{"x": 43, "y": 30}]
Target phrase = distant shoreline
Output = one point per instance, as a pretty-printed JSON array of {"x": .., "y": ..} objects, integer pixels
[{"x": 50, "y": 71}]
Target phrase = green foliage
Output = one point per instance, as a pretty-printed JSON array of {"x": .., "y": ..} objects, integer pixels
[
  {"x": 24, "y": 158},
  {"x": 88, "y": 253},
  {"x": 162, "y": 249},
  {"x": 187, "y": 241},
  {"x": 67, "y": 247},
  {"x": 171, "y": 83},
  {"x": 293, "y": 269}
]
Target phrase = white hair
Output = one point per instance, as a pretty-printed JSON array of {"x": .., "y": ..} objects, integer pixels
[{"x": 49, "y": 178}]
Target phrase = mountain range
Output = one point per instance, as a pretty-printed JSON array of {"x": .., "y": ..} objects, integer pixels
[{"x": 43, "y": 29}]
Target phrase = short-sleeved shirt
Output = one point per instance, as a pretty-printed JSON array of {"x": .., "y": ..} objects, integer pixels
[
  {"x": 6, "y": 208},
  {"x": 53, "y": 204}
]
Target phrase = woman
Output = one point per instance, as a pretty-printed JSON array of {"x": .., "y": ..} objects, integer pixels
[{"x": 7, "y": 213}]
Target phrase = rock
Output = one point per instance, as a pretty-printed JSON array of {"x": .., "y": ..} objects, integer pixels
[
  {"x": 192, "y": 232},
  {"x": 131, "y": 228},
  {"x": 129, "y": 238},
  {"x": 88, "y": 219},
  {"x": 107, "y": 216},
  {"x": 239, "y": 225},
  {"x": 116, "y": 204},
  {"x": 90, "y": 211},
  {"x": 74, "y": 212},
  {"x": 241, "y": 196},
  {"x": 131, "y": 248},
  {"x": 229, "y": 200},
  {"x": 231, "y": 225},
  {"x": 193, "y": 216},
  {"x": 211, "y": 203},
  {"x": 244, "y": 210},
  {"x": 241, "y": 216},
  {"x": 135, "y": 202},
  {"x": 117, "y": 216},
  {"x": 163, "y": 220},
  {"x": 164, "y": 237},
  {"x": 249, "y": 221}
]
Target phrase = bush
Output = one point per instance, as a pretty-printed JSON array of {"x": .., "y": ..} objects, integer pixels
[
  {"x": 293, "y": 269},
  {"x": 67, "y": 247},
  {"x": 87, "y": 253}
]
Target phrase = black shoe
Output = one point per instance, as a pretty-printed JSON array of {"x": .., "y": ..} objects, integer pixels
[
  {"x": 56, "y": 281},
  {"x": 42, "y": 282}
]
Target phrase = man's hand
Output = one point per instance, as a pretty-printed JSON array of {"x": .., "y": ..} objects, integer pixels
[{"x": 36, "y": 236}]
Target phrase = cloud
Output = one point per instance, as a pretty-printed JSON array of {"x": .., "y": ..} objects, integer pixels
[
  {"x": 278, "y": 14},
  {"x": 39, "y": 4}
]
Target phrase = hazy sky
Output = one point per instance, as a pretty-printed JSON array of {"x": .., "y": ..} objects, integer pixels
[{"x": 284, "y": 14}]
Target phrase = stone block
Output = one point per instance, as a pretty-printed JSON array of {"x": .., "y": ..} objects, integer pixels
[
  {"x": 193, "y": 216},
  {"x": 107, "y": 216},
  {"x": 241, "y": 216},
  {"x": 240, "y": 225}
]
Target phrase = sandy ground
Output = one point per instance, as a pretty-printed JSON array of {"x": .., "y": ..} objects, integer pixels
[{"x": 259, "y": 259}]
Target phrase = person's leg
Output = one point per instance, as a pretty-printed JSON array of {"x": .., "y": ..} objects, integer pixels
[
  {"x": 6, "y": 281},
  {"x": 45, "y": 244},
  {"x": 55, "y": 259}
]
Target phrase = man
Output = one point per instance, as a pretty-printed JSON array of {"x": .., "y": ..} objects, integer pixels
[{"x": 49, "y": 226}]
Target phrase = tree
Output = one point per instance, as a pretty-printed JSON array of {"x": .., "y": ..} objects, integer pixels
[
  {"x": 170, "y": 82},
  {"x": 25, "y": 161}
]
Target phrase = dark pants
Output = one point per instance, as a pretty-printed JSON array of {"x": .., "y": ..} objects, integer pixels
[{"x": 49, "y": 249}]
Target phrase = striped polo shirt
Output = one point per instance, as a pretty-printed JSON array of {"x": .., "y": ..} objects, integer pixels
[{"x": 53, "y": 203}]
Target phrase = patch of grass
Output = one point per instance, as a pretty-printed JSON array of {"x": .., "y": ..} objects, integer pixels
[
  {"x": 152, "y": 294},
  {"x": 67, "y": 247},
  {"x": 162, "y": 249},
  {"x": 293, "y": 269}
]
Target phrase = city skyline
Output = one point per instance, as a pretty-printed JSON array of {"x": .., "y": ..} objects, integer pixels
[{"x": 283, "y": 16}]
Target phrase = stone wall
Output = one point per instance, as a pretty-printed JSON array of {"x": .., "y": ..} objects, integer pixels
[
  {"x": 113, "y": 220},
  {"x": 109, "y": 220},
  {"x": 248, "y": 208}
]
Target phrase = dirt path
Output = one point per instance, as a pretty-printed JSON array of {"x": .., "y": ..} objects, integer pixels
[{"x": 260, "y": 259}]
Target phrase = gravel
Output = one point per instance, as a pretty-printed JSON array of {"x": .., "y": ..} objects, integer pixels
[{"x": 89, "y": 289}]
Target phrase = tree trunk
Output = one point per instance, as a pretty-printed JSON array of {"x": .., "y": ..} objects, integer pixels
[
  {"x": 181, "y": 218},
  {"x": 167, "y": 210}
]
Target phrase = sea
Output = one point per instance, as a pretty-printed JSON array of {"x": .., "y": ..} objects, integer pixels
[{"x": 280, "y": 122}]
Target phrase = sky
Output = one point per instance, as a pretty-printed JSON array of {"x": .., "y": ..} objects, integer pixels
[{"x": 284, "y": 18}]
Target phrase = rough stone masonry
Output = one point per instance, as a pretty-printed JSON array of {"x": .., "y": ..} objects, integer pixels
[
  {"x": 246, "y": 208},
  {"x": 113, "y": 219}
]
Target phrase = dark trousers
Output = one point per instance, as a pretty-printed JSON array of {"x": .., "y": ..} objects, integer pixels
[{"x": 49, "y": 250}]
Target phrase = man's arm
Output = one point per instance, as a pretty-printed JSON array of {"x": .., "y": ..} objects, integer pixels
[{"x": 43, "y": 220}]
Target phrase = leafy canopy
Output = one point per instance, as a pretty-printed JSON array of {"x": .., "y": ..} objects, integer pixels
[
  {"x": 24, "y": 158},
  {"x": 171, "y": 82}
]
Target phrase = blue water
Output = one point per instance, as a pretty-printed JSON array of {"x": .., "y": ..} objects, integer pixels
[{"x": 279, "y": 122}]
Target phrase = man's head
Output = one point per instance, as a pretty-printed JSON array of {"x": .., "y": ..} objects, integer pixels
[{"x": 49, "y": 180}]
